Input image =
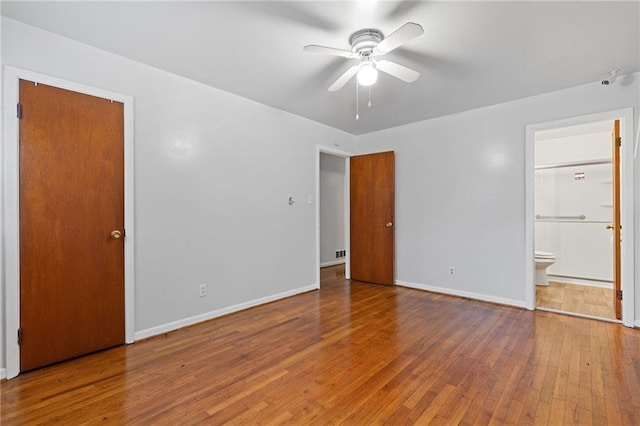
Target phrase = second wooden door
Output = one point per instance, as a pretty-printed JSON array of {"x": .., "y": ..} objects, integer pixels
[{"x": 372, "y": 207}]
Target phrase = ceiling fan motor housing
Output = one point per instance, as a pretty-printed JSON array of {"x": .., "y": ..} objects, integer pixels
[{"x": 363, "y": 41}]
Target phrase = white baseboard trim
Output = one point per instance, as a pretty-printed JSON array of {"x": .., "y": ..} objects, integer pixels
[
  {"x": 637, "y": 324},
  {"x": 461, "y": 293},
  {"x": 581, "y": 281},
  {"x": 332, "y": 263},
  {"x": 165, "y": 328},
  {"x": 575, "y": 314},
  {"x": 3, "y": 373}
]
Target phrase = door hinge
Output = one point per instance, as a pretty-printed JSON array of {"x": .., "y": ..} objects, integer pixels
[
  {"x": 619, "y": 141},
  {"x": 19, "y": 111},
  {"x": 619, "y": 294},
  {"x": 19, "y": 336}
]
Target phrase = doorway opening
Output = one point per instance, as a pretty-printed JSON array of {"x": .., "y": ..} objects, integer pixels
[
  {"x": 572, "y": 247},
  {"x": 332, "y": 212},
  {"x": 331, "y": 201},
  {"x": 574, "y": 250}
]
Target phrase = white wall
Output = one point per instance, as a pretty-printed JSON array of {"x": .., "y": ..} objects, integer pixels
[
  {"x": 579, "y": 147},
  {"x": 636, "y": 178},
  {"x": 212, "y": 175},
  {"x": 583, "y": 248},
  {"x": 332, "y": 180},
  {"x": 2, "y": 292},
  {"x": 460, "y": 190}
]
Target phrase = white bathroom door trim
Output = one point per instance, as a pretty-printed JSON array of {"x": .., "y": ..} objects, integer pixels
[
  {"x": 347, "y": 211},
  {"x": 627, "y": 254},
  {"x": 10, "y": 244}
]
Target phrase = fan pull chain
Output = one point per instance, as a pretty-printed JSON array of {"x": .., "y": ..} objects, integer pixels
[
  {"x": 357, "y": 102},
  {"x": 369, "y": 104}
]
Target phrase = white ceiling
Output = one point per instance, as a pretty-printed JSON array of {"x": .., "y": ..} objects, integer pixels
[{"x": 472, "y": 54}]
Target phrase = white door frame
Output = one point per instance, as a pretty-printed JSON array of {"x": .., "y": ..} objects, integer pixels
[
  {"x": 347, "y": 223},
  {"x": 10, "y": 202},
  {"x": 627, "y": 254}
]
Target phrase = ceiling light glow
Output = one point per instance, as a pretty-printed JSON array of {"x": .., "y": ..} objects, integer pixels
[{"x": 367, "y": 75}]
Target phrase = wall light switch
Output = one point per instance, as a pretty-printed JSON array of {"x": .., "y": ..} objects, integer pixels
[{"x": 309, "y": 200}]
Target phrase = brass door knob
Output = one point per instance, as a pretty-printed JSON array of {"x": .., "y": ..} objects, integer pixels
[
  {"x": 116, "y": 234},
  {"x": 389, "y": 224},
  {"x": 609, "y": 226}
]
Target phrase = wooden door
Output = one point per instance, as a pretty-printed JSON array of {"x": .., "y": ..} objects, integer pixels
[
  {"x": 372, "y": 217},
  {"x": 71, "y": 200},
  {"x": 617, "y": 292}
]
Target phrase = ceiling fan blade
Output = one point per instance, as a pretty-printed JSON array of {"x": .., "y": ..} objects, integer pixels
[
  {"x": 342, "y": 80},
  {"x": 399, "y": 71},
  {"x": 407, "y": 32},
  {"x": 314, "y": 48}
]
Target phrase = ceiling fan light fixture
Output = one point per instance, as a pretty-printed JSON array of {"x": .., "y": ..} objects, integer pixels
[
  {"x": 367, "y": 45},
  {"x": 367, "y": 75}
]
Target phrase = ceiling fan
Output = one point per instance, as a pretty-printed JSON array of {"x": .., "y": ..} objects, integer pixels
[{"x": 366, "y": 46}]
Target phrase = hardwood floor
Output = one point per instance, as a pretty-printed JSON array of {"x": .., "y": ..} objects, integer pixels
[
  {"x": 579, "y": 299},
  {"x": 351, "y": 353}
]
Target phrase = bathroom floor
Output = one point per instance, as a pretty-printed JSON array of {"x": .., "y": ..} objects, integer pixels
[{"x": 579, "y": 299}]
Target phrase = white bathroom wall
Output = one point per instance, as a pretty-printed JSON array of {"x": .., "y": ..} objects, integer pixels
[
  {"x": 561, "y": 194},
  {"x": 576, "y": 147},
  {"x": 582, "y": 247},
  {"x": 212, "y": 176},
  {"x": 460, "y": 190},
  {"x": 332, "y": 180}
]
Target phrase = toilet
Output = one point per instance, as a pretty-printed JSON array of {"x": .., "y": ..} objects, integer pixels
[{"x": 543, "y": 261}]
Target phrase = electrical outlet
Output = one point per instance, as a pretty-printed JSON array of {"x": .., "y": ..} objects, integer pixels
[
  {"x": 452, "y": 271},
  {"x": 203, "y": 290}
]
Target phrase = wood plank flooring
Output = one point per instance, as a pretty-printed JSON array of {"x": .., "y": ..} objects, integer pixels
[
  {"x": 580, "y": 299},
  {"x": 351, "y": 353}
]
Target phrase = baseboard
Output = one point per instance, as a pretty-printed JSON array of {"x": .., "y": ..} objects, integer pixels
[
  {"x": 332, "y": 263},
  {"x": 575, "y": 314},
  {"x": 3, "y": 373},
  {"x": 466, "y": 294},
  {"x": 637, "y": 324},
  {"x": 581, "y": 281},
  {"x": 165, "y": 328}
]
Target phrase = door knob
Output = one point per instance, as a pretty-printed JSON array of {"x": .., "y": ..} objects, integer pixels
[
  {"x": 609, "y": 226},
  {"x": 389, "y": 224},
  {"x": 116, "y": 234}
]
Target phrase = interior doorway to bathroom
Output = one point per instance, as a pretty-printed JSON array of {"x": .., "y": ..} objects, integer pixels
[{"x": 576, "y": 213}]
